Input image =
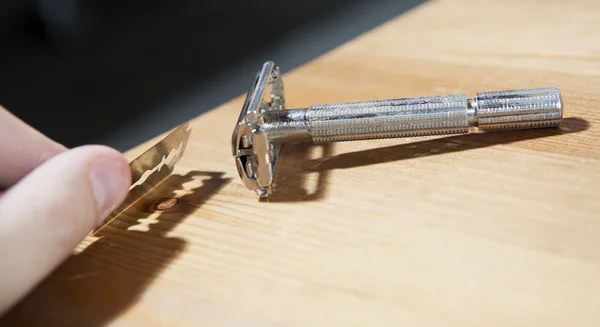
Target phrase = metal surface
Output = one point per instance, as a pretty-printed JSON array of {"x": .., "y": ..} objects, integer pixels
[
  {"x": 152, "y": 167},
  {"x": 256, "y": 157},
  {"x": 264, "y": 124}
]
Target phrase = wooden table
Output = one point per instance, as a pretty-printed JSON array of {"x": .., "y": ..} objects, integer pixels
[{"x": 498, "y": 229}]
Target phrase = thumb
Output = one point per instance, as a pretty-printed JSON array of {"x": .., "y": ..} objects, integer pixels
[{"x": 46, "y": 214}]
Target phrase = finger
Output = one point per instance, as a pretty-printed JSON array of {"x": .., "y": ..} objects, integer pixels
[
  {"x": 45, "y": 215},
  {"x": 23, "y": 148}
]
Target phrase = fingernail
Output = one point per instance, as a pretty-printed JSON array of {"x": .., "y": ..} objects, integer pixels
[{"x": 109, "y": 185}]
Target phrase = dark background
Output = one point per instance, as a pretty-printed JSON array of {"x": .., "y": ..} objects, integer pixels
[{"x": 119, "y": 72}]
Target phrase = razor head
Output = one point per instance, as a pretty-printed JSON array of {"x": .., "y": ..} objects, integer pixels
[{"x": 255, "y": 156}]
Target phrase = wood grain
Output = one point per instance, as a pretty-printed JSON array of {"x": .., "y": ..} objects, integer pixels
[{"x": 485, "y": 229}]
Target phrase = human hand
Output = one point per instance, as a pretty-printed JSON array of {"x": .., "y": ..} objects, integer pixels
[{"x": 50, "y": 198}]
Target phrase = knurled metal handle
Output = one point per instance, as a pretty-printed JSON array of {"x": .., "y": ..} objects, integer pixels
[
  {"x": 389, "y": 118},
  {"x": 430, "y": 115},
  {"x": 518, "y": 109}
]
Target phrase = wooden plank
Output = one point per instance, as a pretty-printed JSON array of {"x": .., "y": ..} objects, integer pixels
[{"x": 489, "y": 229}]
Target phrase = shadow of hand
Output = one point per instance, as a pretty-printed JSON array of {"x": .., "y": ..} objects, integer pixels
[{"x": 107, "y": 277}]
